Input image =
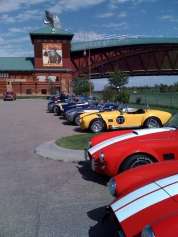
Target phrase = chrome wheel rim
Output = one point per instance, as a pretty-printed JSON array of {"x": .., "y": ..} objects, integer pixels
[
  {"x": 97, "y": 126},
  {"x": 142, "y": 160},
  {"x": 153, "y": 123},
  {"x": 77, "y": 120}
]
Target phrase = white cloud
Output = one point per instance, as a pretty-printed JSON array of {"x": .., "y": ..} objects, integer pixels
[
  {"x": 13, "y": 5},
  {"x": 114, "y": 25},
  {"x": 106, "y": 15},
  {"x": 22, "y": 16},
  {"x": 28, "y": 15},
  {"x": 115, "y": 3},
  {"x": 5, "y": 18},
  {"x": 73, "y": 5},
  {"x": 14, "y": 46},
  {"x": 122, "y": 14},
  {"x": 88, "y": 36},
  {"x": 169, "y": 18},
  {"x": 25, "y": 29},
  {"x": 111, "y": 14}
]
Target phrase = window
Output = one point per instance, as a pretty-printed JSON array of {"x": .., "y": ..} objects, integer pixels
[
  {"x": 4, "y": 75},
  {"x": 43, "y": 91},
  {"x": 28, "y": 91},
  {"x": 41, "y": 78},
  {"x": 52, "y": 78}
]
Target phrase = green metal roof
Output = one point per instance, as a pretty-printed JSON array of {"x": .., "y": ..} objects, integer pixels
[
  {"x": 16, "y": 64},
  {"x": 26, "y": 63},
  {"x": 48, "y": 31},
  {"x": 80, "y": 46}
]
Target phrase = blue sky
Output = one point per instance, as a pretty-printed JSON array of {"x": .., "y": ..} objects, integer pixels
[{"x": 88, "y": 19}]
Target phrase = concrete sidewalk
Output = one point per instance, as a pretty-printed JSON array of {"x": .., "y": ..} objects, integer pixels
[{"x": 51, "y": 151}]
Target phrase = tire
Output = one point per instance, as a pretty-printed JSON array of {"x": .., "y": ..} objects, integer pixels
[
  {"x": 56, "y": 110},
  {"x": 136, "y": 160},
  {"x": 77, "y": 120},
  {"x": 152, "y": 122},
  {"x": 96, "y": 126}
]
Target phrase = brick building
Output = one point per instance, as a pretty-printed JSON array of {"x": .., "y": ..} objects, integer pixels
[
  {"x": 50, "y": 69},
  {"x": 57, "y": 60}
]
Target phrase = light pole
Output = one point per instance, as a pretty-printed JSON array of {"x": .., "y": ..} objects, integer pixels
[{"x": 89, "y": 70}]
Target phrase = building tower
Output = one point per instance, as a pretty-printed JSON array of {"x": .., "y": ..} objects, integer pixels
[{"x": 52, "y": 61}]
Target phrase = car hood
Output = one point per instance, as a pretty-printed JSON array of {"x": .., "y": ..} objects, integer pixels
[
  {"x": 98, "y": 113},
  {"x": 146, "y": 204},
  {"x": 126, "y": 137},
  {"x": 88, "y": 114}
]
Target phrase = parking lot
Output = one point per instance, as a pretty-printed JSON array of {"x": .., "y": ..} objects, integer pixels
[{"x": 42, "y": 197}]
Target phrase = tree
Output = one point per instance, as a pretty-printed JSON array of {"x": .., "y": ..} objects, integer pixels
[
  {"x": 175, "y": 86},
  {"x": 118, "y": 80},
  {"x": 163, "y": 88},
  {"x": 109, "y": 93},
  {"x": 116, "y": 90},
  {"x": 81, "y": 86}
]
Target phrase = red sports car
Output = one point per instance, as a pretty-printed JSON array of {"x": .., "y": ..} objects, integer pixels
[
  {"x": 113, "y": 152},
  {"x": 146, "y": 201},
  {"x": 9, "y": 95}
]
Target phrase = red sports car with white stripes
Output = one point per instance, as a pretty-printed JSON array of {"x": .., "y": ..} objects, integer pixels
[
  {"x": 146, "y": 201},
  {"x": 113, "y": 152}
]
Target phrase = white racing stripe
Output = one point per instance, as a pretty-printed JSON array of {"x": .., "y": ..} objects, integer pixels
[
  {"x": 168, "y": 180},
  {"x": 110, "y": 141},
  {"x": 145, "y": 197},
  {"x": 140, "y": 204},
  {"x": 172, "y": 190},
  {"x": 134, "y": 195},
  {"x": 135, "y": 133}
]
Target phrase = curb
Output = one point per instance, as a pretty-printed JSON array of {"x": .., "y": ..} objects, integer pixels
[{"x": 50, "y": 150}]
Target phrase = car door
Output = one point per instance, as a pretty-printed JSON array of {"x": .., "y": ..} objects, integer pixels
[{"x": 127, "y": 120}]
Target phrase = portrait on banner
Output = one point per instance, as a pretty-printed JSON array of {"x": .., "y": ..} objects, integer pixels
[{"x": 52, "y": 54}]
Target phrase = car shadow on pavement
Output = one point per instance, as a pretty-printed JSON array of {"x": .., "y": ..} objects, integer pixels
[
  {"x": 67, "y": 123},
  {"x": 104, "y": 225},
  {"x": 84, "y": 168},
  {"x": 78, "y": 129},
  {"x": 62, "y": 117}
]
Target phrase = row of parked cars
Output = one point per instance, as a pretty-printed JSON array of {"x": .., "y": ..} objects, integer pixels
[
  {"x": 96, "y": 117},
  {"x": 142, "y": 165}
]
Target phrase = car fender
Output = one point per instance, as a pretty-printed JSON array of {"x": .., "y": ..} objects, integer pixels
[
  {"x": 163, "y": 116},
  {"x": 116, "y": 156},
  {"x": 142, "y": 175}
]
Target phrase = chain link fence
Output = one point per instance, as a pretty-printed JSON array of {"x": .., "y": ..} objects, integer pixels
[{"x": 167, "y": 99}]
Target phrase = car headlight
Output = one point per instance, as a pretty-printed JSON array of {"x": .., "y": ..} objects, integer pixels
[
  {"x": 112, "y": 186},
  {"x": 147, "y": 232},
  {"x": 101, "y": 157}
]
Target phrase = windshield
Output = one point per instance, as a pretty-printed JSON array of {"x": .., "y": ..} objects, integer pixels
[{"x": 173, "y": 121}]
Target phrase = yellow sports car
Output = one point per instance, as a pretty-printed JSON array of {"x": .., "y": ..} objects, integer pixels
[{"x": 147, "y": 118}]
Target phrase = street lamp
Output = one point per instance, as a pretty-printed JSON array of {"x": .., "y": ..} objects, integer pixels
[{"x": 89, "y": 69}]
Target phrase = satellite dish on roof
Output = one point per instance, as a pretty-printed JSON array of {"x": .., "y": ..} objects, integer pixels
[{"x": 52, "y": 20}]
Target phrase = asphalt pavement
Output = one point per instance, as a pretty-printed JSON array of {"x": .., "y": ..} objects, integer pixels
[{"x": 43, "y": 197}]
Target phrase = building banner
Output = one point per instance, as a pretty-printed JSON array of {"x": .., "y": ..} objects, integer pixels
[{"x": 52, "y": 55}]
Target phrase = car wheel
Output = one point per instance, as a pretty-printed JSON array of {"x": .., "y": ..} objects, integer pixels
[
  {"x": 56, "y": 110},
  {"x": 136, "y": 160},
  {"x": 152, "y": 122},
  {"x": 97, "y": 125},
  {"x": 77, "y": 120}
]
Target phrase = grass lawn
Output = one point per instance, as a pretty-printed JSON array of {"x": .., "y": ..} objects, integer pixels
[{"x": 76, "y": 142}]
